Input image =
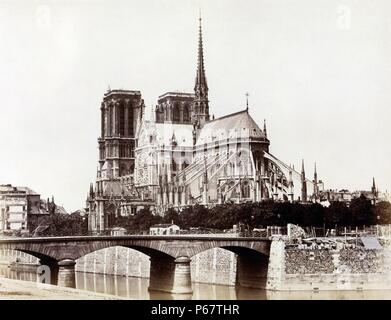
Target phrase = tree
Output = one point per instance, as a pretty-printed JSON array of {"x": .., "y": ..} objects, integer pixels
[
  {"x": 382, "y": 213},
  {"x": 361, "y": 211},
  {"x": 144, "y": 219},
  {"x": 172, "y": 215},
  {"x": 60, "y": 224},
  {"x": 125, "y": 222},
  {"x": 337, "y": 214}
]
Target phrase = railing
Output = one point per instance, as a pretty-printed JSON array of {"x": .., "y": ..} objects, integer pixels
[
  {"x": 372, "y": 231},
  {"x": 111, "y": 233}
]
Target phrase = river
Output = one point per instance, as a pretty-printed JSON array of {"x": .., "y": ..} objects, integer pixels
[{"x": 137, "y": 288}]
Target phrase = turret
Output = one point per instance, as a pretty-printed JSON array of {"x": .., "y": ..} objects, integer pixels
[
  {"x": 290, "y": 184},
  {"x": 91, "y": 190},
  {"x": 303, "y": 183},
  {"x": 373, "y": 189},
  {"x": 264, "y": 128},
  {"x": 316, "y": 191}
]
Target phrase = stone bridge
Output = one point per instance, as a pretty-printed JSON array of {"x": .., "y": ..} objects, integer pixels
[{"x": 170, "y": 256}]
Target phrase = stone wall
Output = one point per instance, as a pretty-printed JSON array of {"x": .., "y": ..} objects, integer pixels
[
  {"x": 117, "y": 261},
  {"x": 334, "y": 268},
  {"x": 361, "y": 260},
  {"x": 9, "y": 256},
  {"x": 299, "y": 261},
  {"x": 216, "y": 266}
]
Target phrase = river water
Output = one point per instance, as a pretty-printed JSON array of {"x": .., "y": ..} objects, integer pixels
[{"x": 137, "y": 288}]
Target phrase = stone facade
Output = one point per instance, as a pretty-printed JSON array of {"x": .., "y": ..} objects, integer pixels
[
  {"x": 18, "y": 206},
  {"x": 183, "y": 156}
]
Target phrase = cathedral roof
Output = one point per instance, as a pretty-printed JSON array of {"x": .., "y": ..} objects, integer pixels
[
  {"x": 235, "y": 125},
  {"x": 178, "y": 95},
  {"x": 183, "y": 134}
]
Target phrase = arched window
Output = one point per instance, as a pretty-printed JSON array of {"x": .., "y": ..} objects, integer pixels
[
  {"x": 186, "y": 114},
  {"x": 121, "y": 119},
  {"x": 246, "y": 189},
  {"x": 175, "y": 113},
  {"x": 111, "y": 120},
  {"x": 130, "y": 121}
]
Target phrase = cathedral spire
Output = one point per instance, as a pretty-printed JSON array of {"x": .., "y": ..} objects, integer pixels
[
  {"x": 201, "y": 103},
  {"x": 315, "y": 175},
  {"x": 200, "y": 78}
]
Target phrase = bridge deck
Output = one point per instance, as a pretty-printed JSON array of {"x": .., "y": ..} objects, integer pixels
[{"x": 133, "y": 237}]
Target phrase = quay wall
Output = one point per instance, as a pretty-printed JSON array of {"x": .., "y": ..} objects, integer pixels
[
  {"x": 9, "y": 256},
  {"x": 315, "y": 268}
]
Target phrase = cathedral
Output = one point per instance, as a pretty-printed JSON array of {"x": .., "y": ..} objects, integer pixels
[{"x": 183, "y": 156}]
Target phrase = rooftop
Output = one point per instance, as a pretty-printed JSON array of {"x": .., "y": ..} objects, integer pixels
[
  {"x": 177, "y": 94},
  {"x": 163, "y": 225},
  {"x": 8, "y": 188},
  {"x": 234, "y": 125},
  {"x": 122, "y": 92}
]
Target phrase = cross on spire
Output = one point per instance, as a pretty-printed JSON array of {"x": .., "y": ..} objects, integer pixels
[{"x": 247, "y": 95}]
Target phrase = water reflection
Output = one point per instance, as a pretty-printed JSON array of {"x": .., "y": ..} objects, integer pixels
[{"x": 137, "y": 288}]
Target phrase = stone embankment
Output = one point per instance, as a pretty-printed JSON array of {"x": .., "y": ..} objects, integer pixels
[{"x": 359, "y": 263}]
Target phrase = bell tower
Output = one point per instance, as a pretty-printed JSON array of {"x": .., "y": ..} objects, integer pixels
[{"x": 121, "y": 112}]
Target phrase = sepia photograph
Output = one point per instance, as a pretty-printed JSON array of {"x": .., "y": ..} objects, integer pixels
[{"x": 195, "y": 150}]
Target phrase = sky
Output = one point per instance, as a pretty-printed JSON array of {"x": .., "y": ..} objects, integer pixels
[{"x": 319, "y": 72}]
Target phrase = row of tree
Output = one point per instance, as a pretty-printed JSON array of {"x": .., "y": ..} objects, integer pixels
[
  {"x": 254, "y": 215},
  {"x": 58, "y": 224},
  {"x": 266, "y": 213}
]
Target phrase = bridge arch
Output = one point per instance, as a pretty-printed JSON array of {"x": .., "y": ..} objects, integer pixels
[
  {"x": 46, "y": 260},
  {"x": 150, "y": 248},
  {"x": 233, "y": 246},
  {"x": 252, "y": 264}
]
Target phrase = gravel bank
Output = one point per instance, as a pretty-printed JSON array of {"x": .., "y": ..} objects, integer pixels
[{"x": 11, "y": 289}]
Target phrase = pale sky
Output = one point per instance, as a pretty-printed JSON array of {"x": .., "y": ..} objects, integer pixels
[{"x": 318, "y": 71}]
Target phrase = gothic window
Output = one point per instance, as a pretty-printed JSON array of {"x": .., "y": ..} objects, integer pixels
[
  {"x": 186, "y": 114},
  {"x": 103, "y": 124},
  {"x": 246, "y": 190},
  {"x": 131, "y": 147},
  {"x": 130, "y": 121},
  {"x": 121, "y": 119},
  {"x": 111, "y": 113},
  {"x": 176, "y": 113}
]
